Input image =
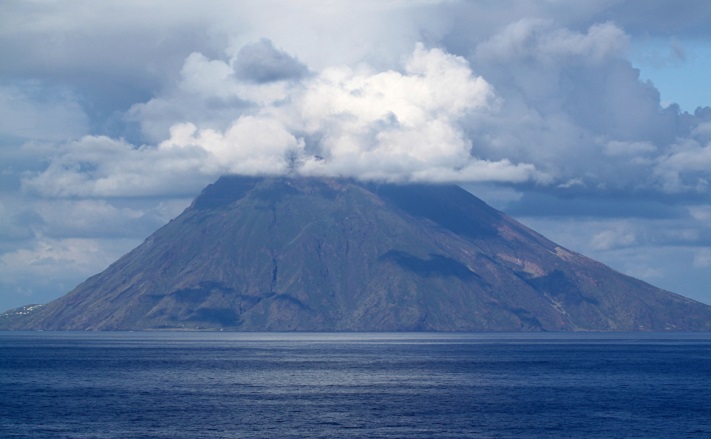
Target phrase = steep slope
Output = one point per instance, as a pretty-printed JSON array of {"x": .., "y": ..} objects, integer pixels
[{"x": 339, "y": 255}]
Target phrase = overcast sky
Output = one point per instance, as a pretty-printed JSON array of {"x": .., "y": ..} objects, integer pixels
[{"x": 588, "y": 121}]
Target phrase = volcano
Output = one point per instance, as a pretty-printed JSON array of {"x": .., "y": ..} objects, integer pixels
[{"x": 318, "y": 254}]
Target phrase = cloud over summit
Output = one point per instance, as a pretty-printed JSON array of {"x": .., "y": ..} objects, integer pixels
[
  {"x": 535, "y": 102},
  {"x": 275, "y": 119}
]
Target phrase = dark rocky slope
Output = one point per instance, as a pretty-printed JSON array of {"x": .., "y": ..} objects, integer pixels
[{"x": 273, "y": 254}]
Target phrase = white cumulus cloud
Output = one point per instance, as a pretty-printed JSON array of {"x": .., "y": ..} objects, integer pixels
[{"x": 392, "y": 125}]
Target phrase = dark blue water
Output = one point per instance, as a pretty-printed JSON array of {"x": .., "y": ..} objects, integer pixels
[{"x": 218, "y": 385}]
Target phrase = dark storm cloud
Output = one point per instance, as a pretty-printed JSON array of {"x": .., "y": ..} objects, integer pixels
[
  {"x": 262, "y": 62},
  {"x": 689, "y": 18},
  {"x": 108, "y": 57}
]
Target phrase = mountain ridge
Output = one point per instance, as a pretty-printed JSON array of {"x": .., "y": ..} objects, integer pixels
[{"x": 328, "y": 254}]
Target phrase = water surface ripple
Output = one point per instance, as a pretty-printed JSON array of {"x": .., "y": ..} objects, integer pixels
[{"x": 267, "y": 385}]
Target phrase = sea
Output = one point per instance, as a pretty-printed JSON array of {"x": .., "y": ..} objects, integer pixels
[{"x": 354, "y": 385}]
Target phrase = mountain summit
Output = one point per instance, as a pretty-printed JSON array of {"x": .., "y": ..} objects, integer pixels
[{"x": 313, "y": 254}]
